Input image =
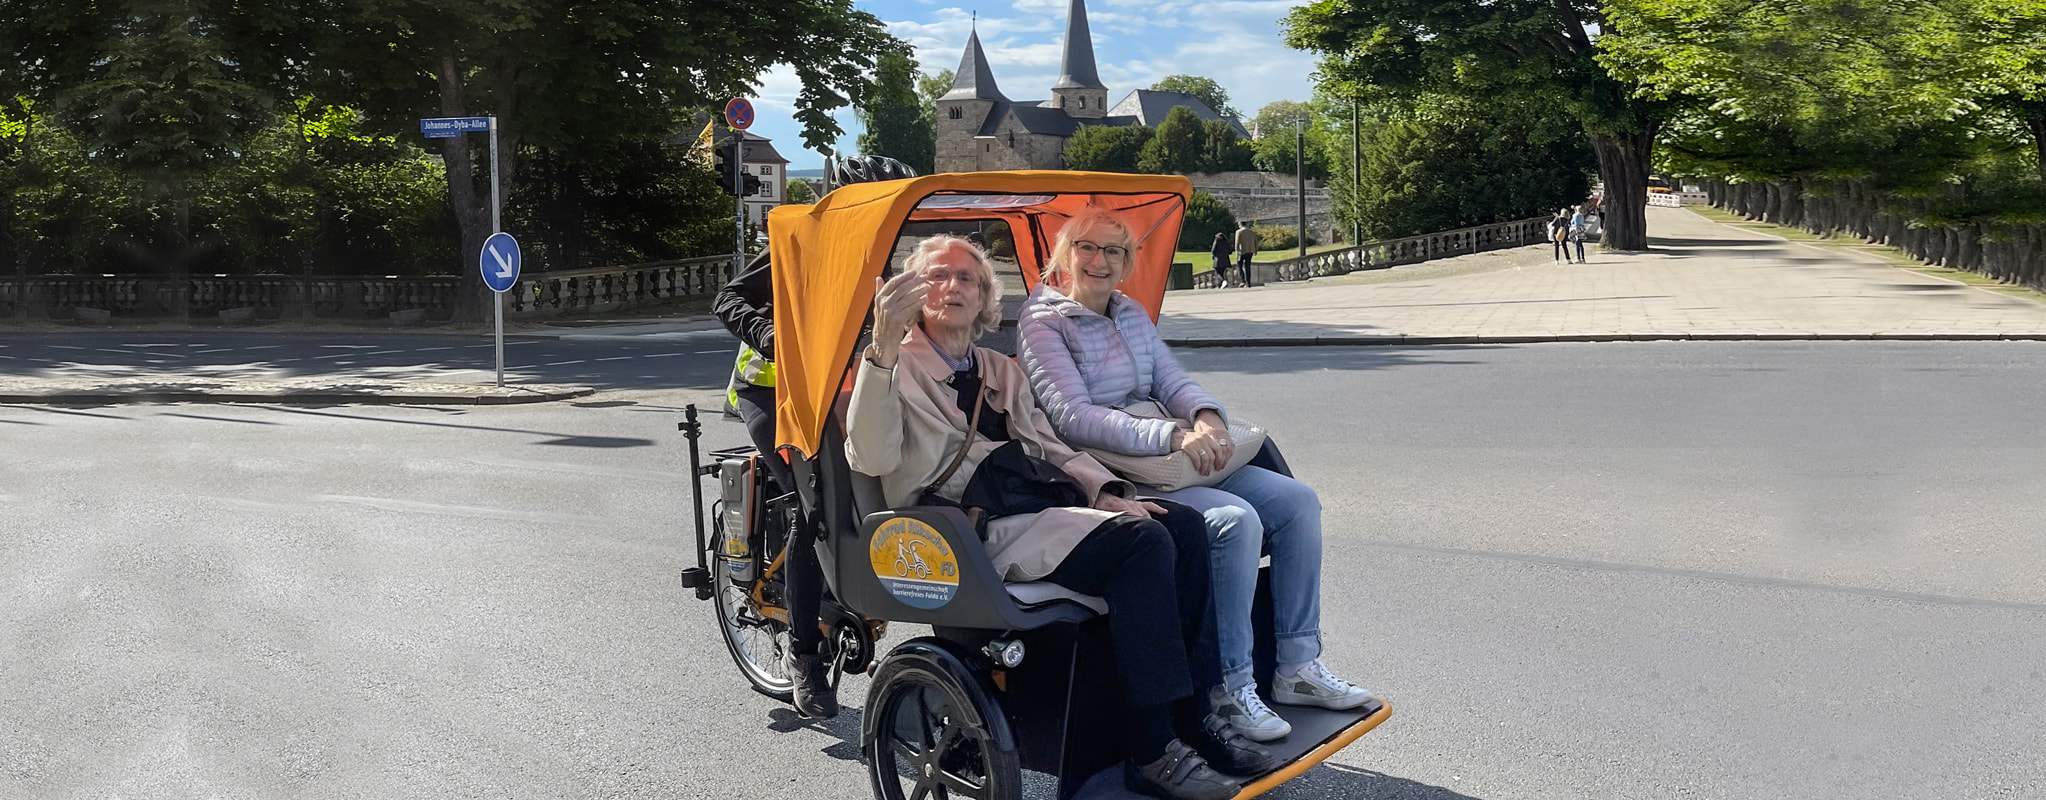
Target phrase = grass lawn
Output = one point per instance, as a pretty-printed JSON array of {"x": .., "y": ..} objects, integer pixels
[
  {"x": 1204, "y": 261},
  {"x": 1889, "y": 255}
]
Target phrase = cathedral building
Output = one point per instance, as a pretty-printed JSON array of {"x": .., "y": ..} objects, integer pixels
[{"x": 981, "y": 129}]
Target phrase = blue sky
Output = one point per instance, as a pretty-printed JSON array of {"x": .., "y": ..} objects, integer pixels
[{"x": 1136, "y": 42}]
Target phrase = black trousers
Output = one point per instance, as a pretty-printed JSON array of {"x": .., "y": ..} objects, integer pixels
[
  {"x": 1243, "y": 267},
  {"x": 1154, "y": 575},
  {"x": 803, "y": 580}
]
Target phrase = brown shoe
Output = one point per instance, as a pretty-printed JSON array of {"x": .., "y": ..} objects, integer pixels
[{"x": 1180, "y": 774}]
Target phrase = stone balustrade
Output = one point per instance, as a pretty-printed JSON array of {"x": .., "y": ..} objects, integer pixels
[
  {"x": 542, "y": 294},
  {"x": 1395, "y": 252},
  {"x": 546, "y": 294}
]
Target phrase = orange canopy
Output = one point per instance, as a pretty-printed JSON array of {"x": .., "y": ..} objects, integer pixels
[{"x": 826, "y": 257}]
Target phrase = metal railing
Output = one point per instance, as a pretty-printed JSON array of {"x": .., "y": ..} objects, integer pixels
[{"x": 1396, "y": 252}]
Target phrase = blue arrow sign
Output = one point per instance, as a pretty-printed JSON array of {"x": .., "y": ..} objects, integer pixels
[
  {"x": 451, "y": 127},
  {"x": 500, "y": 261}
]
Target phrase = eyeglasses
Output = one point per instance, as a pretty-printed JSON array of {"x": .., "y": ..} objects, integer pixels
[{"x": 1112, "y": 252}]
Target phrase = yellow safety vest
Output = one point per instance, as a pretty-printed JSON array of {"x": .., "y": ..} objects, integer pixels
[{"x": 752, "y": 368}]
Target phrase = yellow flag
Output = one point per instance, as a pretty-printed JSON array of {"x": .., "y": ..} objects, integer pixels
[{"x": 702, "y": 149}]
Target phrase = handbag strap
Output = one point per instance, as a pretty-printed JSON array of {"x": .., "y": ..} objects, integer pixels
[{"x": 972, "y": 429}]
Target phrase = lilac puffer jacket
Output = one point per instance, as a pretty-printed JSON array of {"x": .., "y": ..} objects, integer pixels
[{"x": 1084, "y": 367}]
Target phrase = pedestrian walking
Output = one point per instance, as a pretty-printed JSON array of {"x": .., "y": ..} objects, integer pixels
[
  {"x": 1247, "y": 241},
  {"x": 1577, "y": 234},
  {"x": 1221, "y": 249},
  {"x": 1559, "y": 232}
]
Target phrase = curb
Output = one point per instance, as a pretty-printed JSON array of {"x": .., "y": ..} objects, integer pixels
[
  {"x": 1367, "y": 340},
  {"x": 309, "y": 397}
]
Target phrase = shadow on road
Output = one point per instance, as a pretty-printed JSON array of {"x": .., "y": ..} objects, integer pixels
[
  {"x": 845, "y": 728},
  {"x": 558, "y": 439},
  {"x": 1337, "y": 780},
  {"x": 1359, "y": 358}
]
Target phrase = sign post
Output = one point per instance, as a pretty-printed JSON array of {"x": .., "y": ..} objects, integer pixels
[
  {"x": 739, "y": 117},
  {"x": 500, "y": 264},
  {"x": 449, "y": 128}
]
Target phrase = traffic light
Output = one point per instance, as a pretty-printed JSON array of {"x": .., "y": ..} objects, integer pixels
[
  {"x": 722, "y": 162},
  {"x": 750, "y": 185}
]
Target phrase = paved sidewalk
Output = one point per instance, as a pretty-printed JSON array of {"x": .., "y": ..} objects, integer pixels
[{"x": 1703, "y": 280}]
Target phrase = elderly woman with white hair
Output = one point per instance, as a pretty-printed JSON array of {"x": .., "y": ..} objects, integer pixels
[
  {"x": 924, "y": 394},
  {"x": 1091, "y": 353}
]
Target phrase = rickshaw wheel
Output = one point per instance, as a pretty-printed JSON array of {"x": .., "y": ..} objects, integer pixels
[
  {"x": 759, "y": 645},
  {"x": 933, "y": 730}
]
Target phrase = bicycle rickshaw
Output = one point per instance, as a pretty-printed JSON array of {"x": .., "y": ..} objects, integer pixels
[{"x": 1013, "y": 676}]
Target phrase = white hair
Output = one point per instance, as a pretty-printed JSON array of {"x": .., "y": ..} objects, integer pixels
[{"x": 926, "y": 254}]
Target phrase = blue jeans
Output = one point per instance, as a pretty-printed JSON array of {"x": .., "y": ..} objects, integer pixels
[{"x": 1246, "y": 511}]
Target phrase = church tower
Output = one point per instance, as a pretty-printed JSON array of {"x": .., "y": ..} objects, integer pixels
[
  {"x": 964, "y": 110},
  {"x": 1079, "y": 91}
]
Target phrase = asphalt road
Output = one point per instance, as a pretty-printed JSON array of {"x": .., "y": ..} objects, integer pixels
[
  {"x": 1657, "y": 570},
  {"x": 667, "y": 361}
]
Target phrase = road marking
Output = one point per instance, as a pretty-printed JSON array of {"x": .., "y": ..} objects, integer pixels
[
  {"x": 617, "y": 358},
  {"x": 344, "y": 346},
  {"x": 665, "y": 355},
  {"x": 62, "y": 347},
  {"x": 265, "y": 347},
  {"x": 707, "y": 352},
  {"x": 9, "y": 358},
  {"x": 217, "y": 350},
  {"x": 561, "y": 363},
  {"x": 383, "y": 352},
  {"x": 431, "y": 349}
]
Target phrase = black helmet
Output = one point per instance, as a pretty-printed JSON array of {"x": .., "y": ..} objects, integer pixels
[{"x": 861, "y": 169}]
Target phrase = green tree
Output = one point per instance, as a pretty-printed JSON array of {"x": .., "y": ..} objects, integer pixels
[
  {"x": 1221, "y": 151},
  {"x": 1107, "y": 148},
  {"x": 1205, "y": 217},
  {"x": 583, "y": 76},
  {"x": 1176, "y": 147},
  {"x": 1448, "y": 164},
  {"x": 896, "y": 123},
  {"x": 1488, "y": 51},
  {"x": 800, "y": 193},
  {"x": 1279, "y": 116},
  {"x": 1206, "y": 89}
]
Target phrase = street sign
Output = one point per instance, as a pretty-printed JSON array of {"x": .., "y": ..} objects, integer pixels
[
  {"x": 451, "y": 127},
  {"x": 500, "y": 262},
  {"x": 739, "y": 113}
]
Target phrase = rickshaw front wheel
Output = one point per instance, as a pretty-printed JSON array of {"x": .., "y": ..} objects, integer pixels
[{"x": 933, "y": 728}]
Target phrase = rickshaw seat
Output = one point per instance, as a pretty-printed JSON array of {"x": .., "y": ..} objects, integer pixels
[{"x": 1022, "y": 606}]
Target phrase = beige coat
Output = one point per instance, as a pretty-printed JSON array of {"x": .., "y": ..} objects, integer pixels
[
  {"x": 1247, "y": 240},
  {"x": 904, "y": 426}
]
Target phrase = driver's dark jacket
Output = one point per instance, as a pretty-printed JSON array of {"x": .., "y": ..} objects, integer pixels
[{"x": 746, "y": 306}]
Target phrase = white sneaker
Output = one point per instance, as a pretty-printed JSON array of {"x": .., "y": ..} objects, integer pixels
[
  {"x": 1248, "y": 712},
  {"x": 1316, "y": 686}
]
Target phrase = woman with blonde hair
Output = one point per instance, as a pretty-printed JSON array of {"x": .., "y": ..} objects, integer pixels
[
  {"x": 1091, "y": 352},
  {"x": 924, "y": 394}
]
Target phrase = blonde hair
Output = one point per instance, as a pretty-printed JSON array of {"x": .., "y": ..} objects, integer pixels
[
  {"x": 1091, "y": 222},
  {"x": 926, "y": 254}
]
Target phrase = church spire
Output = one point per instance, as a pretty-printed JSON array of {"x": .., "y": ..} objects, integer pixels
[
  {"x": 973, "y": 80},
  {"x": 1077, "y": 69}
]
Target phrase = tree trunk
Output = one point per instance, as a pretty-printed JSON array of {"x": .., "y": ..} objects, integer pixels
[
  {"x": 1623, "y": 165},
  {"x": 2038, "y": 128},
  {"x": 471, "y": 217}
]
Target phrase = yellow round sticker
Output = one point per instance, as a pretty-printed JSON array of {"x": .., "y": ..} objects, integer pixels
[{"x": 914, "y": 563}]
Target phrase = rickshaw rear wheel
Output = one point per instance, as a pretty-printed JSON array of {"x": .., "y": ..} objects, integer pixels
[
  {"x": 760, "y": 646},
  {"x": 933, "y": 729}
]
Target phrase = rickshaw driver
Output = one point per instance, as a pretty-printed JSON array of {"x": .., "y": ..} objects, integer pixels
[
  {"x": 926, "y": 402},
  {"x": 746, "y": 307}
]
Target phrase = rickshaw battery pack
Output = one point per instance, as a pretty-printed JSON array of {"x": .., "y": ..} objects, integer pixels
[{"x": 738, "y": 488}]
